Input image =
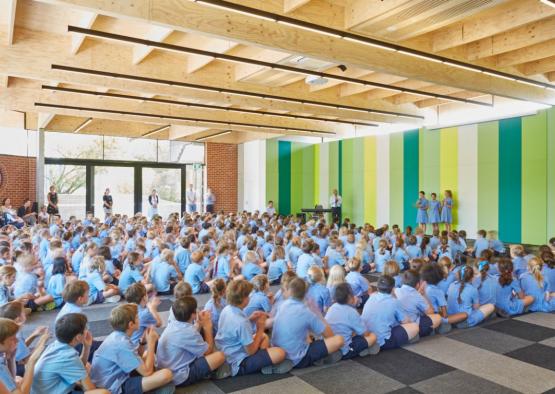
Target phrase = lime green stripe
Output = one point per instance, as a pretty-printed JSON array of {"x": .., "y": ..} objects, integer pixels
[
  {"x": 272, "y": 172},
  {"x": 449, "y": 165},
  {"x": 316, "y": 177},
  {"x": 429, "y": 161},
  {"x": 551, "y": 172},
  {"x": 347, "y": 179},
  {"x": 359, "y": 194},
  {"x": 370, "y": 180},
  {"x": 307, "y": 177},
  {"x": 534, "y": 178},
  {"x": 333, "y": 166},
  {"x": 296, "y": 177},
  {"x": 488, "y": 176},
  {"x": 396, "y": 179}
]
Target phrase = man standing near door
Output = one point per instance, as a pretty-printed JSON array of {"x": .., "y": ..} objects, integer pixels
[
  {"x": 191, "y": 199},
  {"x": 335, "y": 205},
  {"x": 209, "y": 200}
]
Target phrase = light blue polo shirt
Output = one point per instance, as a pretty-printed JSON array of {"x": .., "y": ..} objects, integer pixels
[
  {"x": 344, "y": 320},
  {"x": 436, "y": 297},
  {"x": 128, "y": 277},
  {"x": 179, "y": 345},
  {"x": 145, "y": 320},
  {"x": 381, "y": 313},
  {"x": 96, "y": 285},
  {"x": 277, "y": 269},
  {"x": 234, "y": 333},
  {"x": 5, "y": 295},
  {"x": 381, "y": 259},
  {"x": 258, "y": 301},
  {"x": 292, "y": 324},
  {"x": 358, "y": 283},
  {"x": 215, "y": 311},
  {"x": 69, "y": 308},
  {"x": 320, "y": 295},
  {"x": 161, "y": 273},
  {"x": 412, "y": 302},
  {"x": 183, "y": 258},
  {"x": 57, "y": 370},
  {"x": 25, "y": 282},
  {"x": 194, "y": 275},
  {"x": 113, "y": 361},
  {"x": 250, "y": 270},
  {"x": 6, "y": 376},
  {"x": 223, "y": 267},
  {"x": 304, "y": 262},
  {"x": 469, "y": 297},
  {"x": 55, "y": 287}
]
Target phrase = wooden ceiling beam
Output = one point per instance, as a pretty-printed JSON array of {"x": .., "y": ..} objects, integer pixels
[
  {"x": 538, "y": 66},
  {"x": 526, "y": 54},
  {"x": 86, "y": 20},
  {"x": 360, "y": 11},
  {"x": 8, "y": 9},
  {"x": 45, "y": 119},
  {"x": 155, "y": 33},
  {"x": 292, "y": 5},
  {"x": 187, "y": 16}
]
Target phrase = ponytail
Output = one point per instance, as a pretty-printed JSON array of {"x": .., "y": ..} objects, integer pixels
[
  {"x": 218, "y": 287},
  {"x": 505, "y": 267},
  {"x": 466, "y": 275},
  {"x": 535, "y": 267},
  {"x": 483, "y": 267}
]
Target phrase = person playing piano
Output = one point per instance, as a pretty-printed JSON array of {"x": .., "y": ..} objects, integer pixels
[{"x": 335, "y": 205}]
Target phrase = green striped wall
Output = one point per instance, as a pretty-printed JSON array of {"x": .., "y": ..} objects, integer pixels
[{"x": 511, "y": 174}]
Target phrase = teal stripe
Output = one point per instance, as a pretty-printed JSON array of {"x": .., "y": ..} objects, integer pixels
[
  {"x": 410, "y": 177},
  {"x": 340, "y": 168},
  {"x": 284, "y": 166},
  {"x": 510, "y": 180}
]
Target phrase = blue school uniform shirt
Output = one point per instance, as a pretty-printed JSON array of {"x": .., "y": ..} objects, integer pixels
[
  {"x": 6, "y": 376},
  {"x": 549, "y": 277},
  {"x": 446, "y": 282},
  {"x": 5, "y": 295},
  {"x": 401, "y": 257},
  {"x": 436, "y": 296},
  {"x": 180, "y": 344},
  {"x": 294, "y": 254},
  {"x": 350, "y": 250},
  {"x": 76, "y": 260},
  {"x": 25, "y": 282},
  {"x": 469, "y": 297},
  {"x": 381, "y": 259},
  {"x": 276, "y": 269},
  {"x": 344, "y": 320},
  {"x": 304, "y": 262},
  {"x": 381, "y": 313},
  {"x": 43, "y": 248},
  {"x": 194, "y": 275},
  {"x": 234, "y": 334},
  {"x": 267, "y": 250},
  {"x": 497, "y": 246},
  {"x": 520, "y": 266},
  {"x": 292, "y": 324},
  {"x": 412, "y": 302},
  {"x": 162, "y": 273},
  {"x": 532, "y": 288},
  {"x": 358, "y": 283},
  {"x": 480, "y": 245},
  {"x": 22, "y": 351},
  {"x": 146, "y": 319},
  {"x": 334, "y": 258},
  {"x": 320, "y": 295},
  {"x": 506, "y": 297},
  {"x": 215, "y": 311},
  {"x": 486, "y": 292},
  {"x": 223, "y": 268},
  {"x": 113, "y": 361},
  {"x": 323, "y": 244},
  {"x": 69, "y": 308},
  {"x": 55, "y": 287},
  {"x": 434, "y": 242},
  {"x": 130, "y": 245},
  {"x": 58, "y": 369},
  {"x": 128, "y": 277},
  {"x": 258, "y": 301},
  {"x": 250, "y": 270},
  {"x": 96, "y": 285},
  {"x": 414, "y": 251}
]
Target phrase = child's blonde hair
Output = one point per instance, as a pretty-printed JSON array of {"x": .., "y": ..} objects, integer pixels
[
  {"x": 354, "y": 264},
  {"x": 391, "y": 268},
  {"x": 316, "y": 275},
  {"x": 97, "y": 264},
  {"x": 6, "y": 271},
  {"x": 535, "y": 265},
  {"x": 517, "y": 250},
  {"x": 251, "y": 257},
  {"x": 260, "y": 283},
  {"x": 26, "y": 260},
  {"x": 492, "y": 234},
  {"x": 337, "y": 275},
  {"x": 167, "y": 256},
  {"x": 8, "y": 328}
]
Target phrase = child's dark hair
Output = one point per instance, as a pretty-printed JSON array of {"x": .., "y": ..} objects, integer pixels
[
  {"x": 431, "y": 274},
  {"x": 505, "y": 267},
  {"x": 74, "y": 290},
  {"x": 466, "y": 275},
  {"x": 183, "y": 308},
  {"x": 135, "y": 293},
  {"x": 8, "y": 328},
  {"x": 343, "y": 293},
  {"x": 486, "y": 254},
  {"x": 69, "y": 326},
  {"x": 385, "y": 284},
  {"x": 297, "y": 288},
  {"x": 12, "y": 310},
  {"x": 411, "y": 278},
  {"x": 132, "y": 258},
  {"x": 59, "y": 266},
  {"x": 548, "y": 259},
  {"x": 182, "y": 289},
  {"x": 483, "y": 267}
]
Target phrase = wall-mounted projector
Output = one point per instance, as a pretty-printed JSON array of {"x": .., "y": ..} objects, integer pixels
[{"x": 315, "y": 80}]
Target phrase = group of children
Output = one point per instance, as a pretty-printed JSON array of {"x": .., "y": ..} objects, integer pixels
[{"x": 325, "y": 309}]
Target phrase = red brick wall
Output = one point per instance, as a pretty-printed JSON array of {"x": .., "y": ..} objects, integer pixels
[
  {"x": 221, "y": 173},
  {"x": 18, "y": 178}
]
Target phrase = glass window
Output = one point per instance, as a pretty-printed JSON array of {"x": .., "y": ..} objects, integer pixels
[
  {"x": 195, "y": 178},
  {"x": 121, "y": 148},
  {"x": 120, "y": 181},
  {"x": 180, "y": 152},
  {"x": 75, "y": 146},
  {"x": 70, "y": 185},
  {"x": 167, "y": 182},
  {"x": 16, "y": 142}
]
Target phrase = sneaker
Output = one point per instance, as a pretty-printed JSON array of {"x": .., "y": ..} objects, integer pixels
[
  {"x": 444, "y": 328},
  {"x": 281, "y": 368},
  {"x": 415, "y": 339},
  {"x": 50, "y": 306},
  {"x": 373, "y": 350},
  {"x": 333, "y": 358},
  {"x": 463, "y": 324},
  {"x": 223, "y": 372},
  {"x": 112, "y": 299}
]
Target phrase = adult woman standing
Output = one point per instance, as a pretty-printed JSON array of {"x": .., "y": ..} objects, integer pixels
[
  {"x": 447, "y": 210},
  {"x": 107, "y": 202},
  {"x": 52, "y": 197},
  {"x": 153, "y": 204}
]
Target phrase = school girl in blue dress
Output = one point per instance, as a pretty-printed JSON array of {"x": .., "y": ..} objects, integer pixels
[
  {"x": 509, "y": 297},
  {"x": 434, "y": 215},
  {"x": 422, "y": 205},
  {"x": 447, "y": 210}
]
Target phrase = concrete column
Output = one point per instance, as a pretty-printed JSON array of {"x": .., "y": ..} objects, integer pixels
[{"x": 40, "y": 174}]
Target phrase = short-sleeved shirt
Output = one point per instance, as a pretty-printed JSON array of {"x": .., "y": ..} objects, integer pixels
[
  {"x": 292, "y": 324},
  {"x": 304, "y": 262},
  {"x": 22, "y": 351},
  {"x": 250, "y": 270},
  {"x": 215, "y": 311},
  {"x": 234, "y": 334},
  {"x": 96, "y": 285},
  {"x": 129, "y": 276},
  {"x": 344, "y": 320},
  {"x": 194, "y": 275},
  {"x": 381, "y": 313},
  {"x": 222, "y": 269},
  {"x": 69, "y": 308},
  {"x": 161, "y": 273},
  {"x": 469, "y": 297},
  {"x": 358, "y": 283},
  {"x": 5, "y": 295},
  {"x": 25, "y": 282},
  {"x": 55, "y": 287},
  {"x": 486, "y": 289},
  {"x": 436, "y": 297},
  {"x": 146, "y": 319},
  {"x": 183, "y": 258},
  {"x": 531, "y": 287},
  {"x": 320, "y": 295},
  {"x": 412, "y": 302},
  {"x": 277, "y": 269},
  {"x": 113, "y": 361},
  {"x": 179, "y": 345},
  {"x": 58, "y": 369},
  {"x": 380, "y": 259},
  {"x": 258, "y": 301},
  {"x": 506, "y": 297},
  {"x": 6, "y": 376}
]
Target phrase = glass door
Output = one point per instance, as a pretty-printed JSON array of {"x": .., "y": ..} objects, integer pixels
[
  {"x": 120, "y": 182},
  {"x": 167, "y": 183},
  {"x": 70, "y": 183},
  {"x": 194, "y": 176}
]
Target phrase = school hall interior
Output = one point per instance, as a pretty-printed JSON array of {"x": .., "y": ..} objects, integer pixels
[{"x": 206, "y": 108}]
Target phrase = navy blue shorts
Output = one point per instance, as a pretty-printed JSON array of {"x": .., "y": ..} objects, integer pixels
[
  {"x": 198, "y": 370},
  {"x": 398, "y": 338},
  {"x": 133, "y": 385},
  {"x": 358, "y": 344},
  {"x": 255, "y": 363},
  {"x": 99, "y": 298},
  {"x": 204, "y": 288},
  {"x": 317, "y": 350},
  {"x": 363, "y": 300},
  {"x": 426, "y": 326},
  {"x": 167, "y": 292}
]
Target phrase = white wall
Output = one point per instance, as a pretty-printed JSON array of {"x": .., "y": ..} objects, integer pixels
[{"x": 252, "y": 176}]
